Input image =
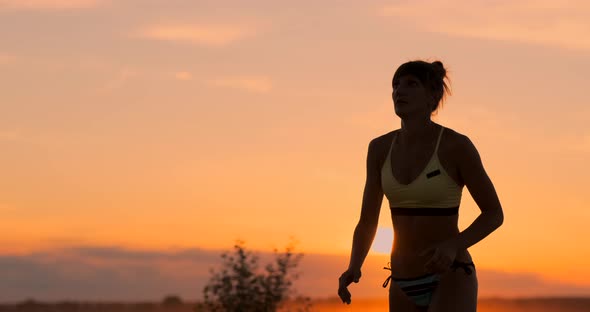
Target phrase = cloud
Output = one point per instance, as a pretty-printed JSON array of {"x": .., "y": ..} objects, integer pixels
[
  {"x": 249, "y": 83},
  {"x": 111, "y": 273},
  {"x": 558, "y": 23},
  {"x": 495, "y": 283},
  {"x": 103, "y": 273},
  {"x": 48, "y": 4},
  {"x": 183, "y": 76},
  {"x": 124, "y": 75},
  {"x": 208, "y": 35}
]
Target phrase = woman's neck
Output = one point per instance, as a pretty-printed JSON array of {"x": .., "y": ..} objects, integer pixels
[{"x": 416, "y": 131}]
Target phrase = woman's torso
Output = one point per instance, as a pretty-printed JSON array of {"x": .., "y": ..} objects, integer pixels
[{"x": 412, "y": 234}]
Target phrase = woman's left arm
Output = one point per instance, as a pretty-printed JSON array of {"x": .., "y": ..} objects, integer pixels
[{"x": 483, "y": 192}]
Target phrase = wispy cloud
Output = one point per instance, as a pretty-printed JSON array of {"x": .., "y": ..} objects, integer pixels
[
  {"x": 183, "y": 76},
  {"x": 255, "y": 84},
  {"x": 559, "y": 23},
  {"x": 124, "y": 75},
  {"x": 48, "y": 4},
  {"x": 209, "y": 35}
]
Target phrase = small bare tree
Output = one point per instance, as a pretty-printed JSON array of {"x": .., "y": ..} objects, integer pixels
[{"x": 242, "y": 286}]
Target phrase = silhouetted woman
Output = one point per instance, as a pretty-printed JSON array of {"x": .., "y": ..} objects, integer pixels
[{"x": 421, "y": 168}]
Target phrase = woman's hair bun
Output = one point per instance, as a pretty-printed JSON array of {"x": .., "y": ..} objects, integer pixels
[{"x": 439, "y": 69}]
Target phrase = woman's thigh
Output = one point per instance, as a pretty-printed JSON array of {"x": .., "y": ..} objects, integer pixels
[
  {"x": 456, "y": 291},
  {"x": 399, "y": 301}
]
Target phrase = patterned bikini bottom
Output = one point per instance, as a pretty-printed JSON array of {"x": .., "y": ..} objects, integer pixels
[{"x": 419, "y": 289}]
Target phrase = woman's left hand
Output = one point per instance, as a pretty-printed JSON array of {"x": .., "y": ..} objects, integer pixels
[{"x": 443, "y": 256}]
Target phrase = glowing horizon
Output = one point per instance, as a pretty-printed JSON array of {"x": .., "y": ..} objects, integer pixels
[{"x": 190, "y": 125}]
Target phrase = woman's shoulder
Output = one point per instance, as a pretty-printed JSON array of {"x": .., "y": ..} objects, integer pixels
[
  {"x": 454, "y": 138},
  {"x": 385, "y": 137},
  {"x": 383, "y": 141},
  {"x": 379, "y": 147},
  {"x": 456, "y": 144},
  {"x": 450, "y": 134}
]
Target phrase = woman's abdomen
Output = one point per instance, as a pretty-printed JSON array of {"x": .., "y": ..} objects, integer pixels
[{"x": 413, "y": 234}]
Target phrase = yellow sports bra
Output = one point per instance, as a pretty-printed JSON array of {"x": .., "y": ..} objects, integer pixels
[{"x": 433, "y": 192}]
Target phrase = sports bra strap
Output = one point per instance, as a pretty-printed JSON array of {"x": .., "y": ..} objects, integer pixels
[{"x": 438, "y": 141}]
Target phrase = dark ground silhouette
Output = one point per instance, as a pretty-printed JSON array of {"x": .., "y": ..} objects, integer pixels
[{"x": 329, "y": 305}]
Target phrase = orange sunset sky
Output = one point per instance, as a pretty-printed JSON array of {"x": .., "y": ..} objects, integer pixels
[{"x": 139, "y": 138}]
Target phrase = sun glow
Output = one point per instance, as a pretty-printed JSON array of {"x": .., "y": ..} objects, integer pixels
[{"x": 383, "y": 240}]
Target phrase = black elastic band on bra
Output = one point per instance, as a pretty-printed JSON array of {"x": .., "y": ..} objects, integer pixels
[{"x": 398, "y": 211}]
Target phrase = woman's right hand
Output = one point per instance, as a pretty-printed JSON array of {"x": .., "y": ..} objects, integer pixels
[{"x": 346, "y": 279}]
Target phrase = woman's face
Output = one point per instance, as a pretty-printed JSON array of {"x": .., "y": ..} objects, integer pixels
[{"x": 411, "y": 98}]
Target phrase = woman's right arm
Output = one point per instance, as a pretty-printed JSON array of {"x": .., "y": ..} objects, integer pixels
[{"x": 364, "y": 233}]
